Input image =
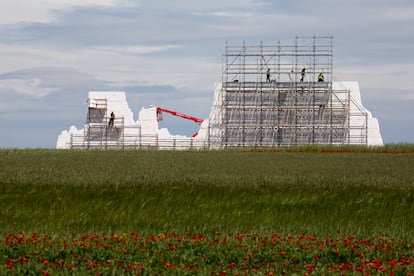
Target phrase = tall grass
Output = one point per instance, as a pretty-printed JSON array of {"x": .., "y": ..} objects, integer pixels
[{"x": 359, "y": 193}]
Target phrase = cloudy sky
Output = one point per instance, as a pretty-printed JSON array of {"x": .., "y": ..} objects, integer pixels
[{"x": 168, "y": 53}]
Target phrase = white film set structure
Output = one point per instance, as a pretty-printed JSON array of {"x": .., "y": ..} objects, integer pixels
[{"x": 269, "y": 96}]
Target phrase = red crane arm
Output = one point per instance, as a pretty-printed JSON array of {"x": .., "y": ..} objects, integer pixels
[{"x": 178, "y": 114}]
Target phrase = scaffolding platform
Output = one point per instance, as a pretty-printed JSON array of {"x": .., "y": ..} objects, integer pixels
[{"x": 282, "y": 95}]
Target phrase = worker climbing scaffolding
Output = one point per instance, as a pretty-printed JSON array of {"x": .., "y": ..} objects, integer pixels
[
  {"x": 320, "y": 77},
  {"x": 111, "y": 119},
  {"x": 268, "y": 75},
  {"x": 303, "y": 74}
]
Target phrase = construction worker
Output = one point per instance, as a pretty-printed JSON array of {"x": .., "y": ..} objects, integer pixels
[
  {"x": 320, "y": 77},
  {"x": 111, "y": 120},
  {"x": 303, "y": 74},
  {"x": 268, "y": 75}
]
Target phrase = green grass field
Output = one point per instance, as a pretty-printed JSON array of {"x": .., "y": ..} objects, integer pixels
[{"x": 319, "y": 191}]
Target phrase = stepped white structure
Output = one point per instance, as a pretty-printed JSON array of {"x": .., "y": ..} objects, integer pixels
[
  {"x": 145, "y": 133},
  {"x": 125, "y": 132},
  {"x": 268, "y": 96}
]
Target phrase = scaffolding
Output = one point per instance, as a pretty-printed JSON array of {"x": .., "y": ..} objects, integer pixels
[
  {"x": 99, "y": 131},
  {"x": 282, "y": 95},
  {"x": 268, "y": 96}
]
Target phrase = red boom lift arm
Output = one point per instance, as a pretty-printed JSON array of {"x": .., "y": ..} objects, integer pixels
[
  {"x": 175, "y": 113},
  {"x": 178, "y": 114}
]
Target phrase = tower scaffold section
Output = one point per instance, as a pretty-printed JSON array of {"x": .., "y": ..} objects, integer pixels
[
  {"x": 101, "y": 130},
  {"x": 281, "y": 95}
]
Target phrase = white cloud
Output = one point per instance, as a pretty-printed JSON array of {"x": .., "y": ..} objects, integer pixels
[
  {"x": 136, "y": 50},
  {"x": 30, "y": 87},
  {"x": 397, "y": 13},
  {"x": 118, "y": 65},
  {"x": 202, "y": 6},
  {"x": 18, "y": 56},
  {"x": 232, "y": 14},
  {"x": 386, "y": 76},
  {"x": 41, "y": 11}
]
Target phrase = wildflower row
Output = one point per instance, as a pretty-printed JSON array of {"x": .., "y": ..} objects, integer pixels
[{"x": 215, "y": 254}]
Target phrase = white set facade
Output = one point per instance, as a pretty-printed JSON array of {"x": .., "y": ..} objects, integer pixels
[
  {"x": 269, "y": 96},
  {"x": 145, "y": 132}
]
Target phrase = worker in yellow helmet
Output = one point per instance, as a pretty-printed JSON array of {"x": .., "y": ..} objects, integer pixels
[{"x": 320, "y": 77}]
